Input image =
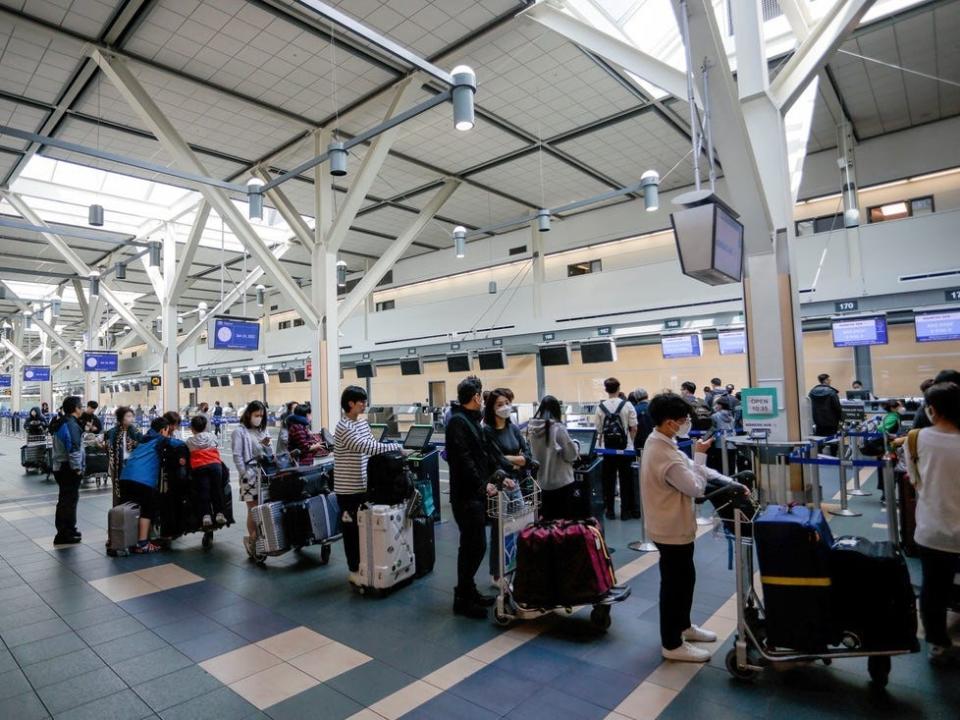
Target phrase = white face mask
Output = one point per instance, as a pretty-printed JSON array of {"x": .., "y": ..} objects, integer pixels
[
  {"x": 504, "y": 411},
  {"x": 685, "y": 428},
  {"x": 929, "y": 412}
]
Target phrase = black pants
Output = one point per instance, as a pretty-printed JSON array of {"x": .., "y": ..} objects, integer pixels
[
  {"x": 558, "y": 504},
  {"x": 471, "y": 521},
  {"x": 209, "y": 488},
  {"x": 349, "y": 506},
  {"x": 938, "y": 567},
  {"x": 618, "y": 466},
  {"x": 830, "y": 449},
  {"x": 69, "y": 482},
  {"x": 677, "y": 578}
]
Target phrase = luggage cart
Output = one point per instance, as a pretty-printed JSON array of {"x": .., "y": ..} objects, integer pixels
[
  {"x": 35, "y": 455},
  {"x": 512, "y": 516},
  {"x": 751, "y": 652},
  {"x": 263, "y": 494}
]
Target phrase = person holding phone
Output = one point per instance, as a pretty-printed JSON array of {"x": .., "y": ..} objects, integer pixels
[{"x": 250, "y": 442}]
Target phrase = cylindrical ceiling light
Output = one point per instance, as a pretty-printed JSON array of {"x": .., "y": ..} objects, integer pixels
[
  {"x": 153, "y": 248},
  {"x": 460, "y": 241},
  {"x": 255, "y": 198},
  {"x": 95, "y": 215},
  {"x": 156, "y": 327},
  {"x": 341, "y": 273},
  {"x": 261, "y": 293},
  {"x": 55, "y": 307},
  {"x": 543, "y": 220},
  {"x": 650, "y": 184},
  {"x": 464, "y": 88},
  {"x": 27, "y": 320},
  {"x": 94, "y": 284},
  {"x": 3, "y": 292},
  {"x": 337, "y": 156},
  {"x": 201, "y": 309},
  {"x": 492, "y": 287},
  {"x": 120, "y": 271}
]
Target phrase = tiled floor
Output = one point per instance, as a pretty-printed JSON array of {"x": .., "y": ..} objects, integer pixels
[{"x": 194, "y": 633}]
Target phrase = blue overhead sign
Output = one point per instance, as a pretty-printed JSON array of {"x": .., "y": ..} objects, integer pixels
[
  {"x": 6, "y": 381},
  {"x": 229, "y": 334},
  {"x": 36, "y": 373},
  {"x": 96, "y": 361}
]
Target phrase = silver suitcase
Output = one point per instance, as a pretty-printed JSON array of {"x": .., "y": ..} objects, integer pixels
[
  {"x": 271, "y": 539},
  {"x": 123, "y": 523},
  {"x": 386, "y": 546}
]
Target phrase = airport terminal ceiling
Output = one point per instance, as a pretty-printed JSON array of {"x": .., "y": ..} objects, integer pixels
[{"x": 246, "y": 83}]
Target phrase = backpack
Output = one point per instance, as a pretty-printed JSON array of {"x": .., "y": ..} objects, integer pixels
[
  {"x": 389, "y": 481},
  {"x": 702, "y": 418},
  {"x": 614, "y": 434}
]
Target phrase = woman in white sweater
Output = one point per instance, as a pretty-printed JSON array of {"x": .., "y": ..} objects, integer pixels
[
  {"x": 933, "y": 457},
  {"x": 250, "y": 441}
]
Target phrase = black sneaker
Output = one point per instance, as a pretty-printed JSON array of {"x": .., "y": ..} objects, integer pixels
[
  {"x": 468, "y": 608},
  {"x": 484, "y": 600},
  {"x": 66, "y": 539}
]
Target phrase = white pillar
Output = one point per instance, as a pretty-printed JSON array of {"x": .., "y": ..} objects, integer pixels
[
  {"x": 331, "y": 385},
  {"x": 16, "y": 383},
  {"x": 46, "y": 358},
  {"x": 170, "y": 391},
  {"x": 320, "y": 388}
]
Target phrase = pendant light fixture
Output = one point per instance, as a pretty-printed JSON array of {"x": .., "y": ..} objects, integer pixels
[
  {"x": 255, "y": 197},
  {"x": 341, "y": 274},
  {"x": 120, "y": 271},
  {"x": 337, "y": 156},
  {"x": 460, "y": 241},
  {"x": 650, "y": 185},
  {"x": 261, "y": 295},
  {"x": 543, "y": 220},
  {"x": 464, "y": 88},
  {"x": 153, "y": 248},
  {"x": 95, "y": 284}
]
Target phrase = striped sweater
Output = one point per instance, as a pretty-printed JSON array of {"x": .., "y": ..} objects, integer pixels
[{"x": 353, "y": 444}]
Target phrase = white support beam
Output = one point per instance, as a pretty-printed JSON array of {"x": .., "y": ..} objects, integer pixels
[
  {"x": 81, "y": 298},
  {"x": 148, "y": 111},
  {"x": 399, "y": 246},
  {"x": 190, "y": 249},
  {"x": 814, "y": 53},
  {"x": 369, "y": 168},
  {"x": 287, "y": 210},
  {"x": 81, "y": 268},
  {"x": 621, "y": 53},
  {"x": 798, "y": 16},
  {"x": 42, "y": 325},
  {"x": 155, "y": 277},
  {"x": 14, "y": 350}
]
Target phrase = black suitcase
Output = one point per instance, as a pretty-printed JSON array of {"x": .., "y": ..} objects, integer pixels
[
  {"x": 389, "y": 481},
  {"x": 316, "y": 479},
  {"x": 873, "y": 600},
  {"x": 423, "y": 545},
  {"x": 296, "y": 524},
  {"x": 286, "y": 486},
  {"x": 96, "y": 462}
]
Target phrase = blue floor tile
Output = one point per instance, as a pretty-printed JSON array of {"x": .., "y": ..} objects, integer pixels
[
  {"x": 495, "y": 690},
  {"x": 596, "y": 684},
  {"x": 552, "y": 704},
  {"x": 446, "y": 707}
]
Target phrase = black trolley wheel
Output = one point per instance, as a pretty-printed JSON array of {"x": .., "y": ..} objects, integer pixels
[
  {"x": 879, "y": 668},
  {"x": 600, "y": 617},
  {"x": 325, "y": 551},
  {"x": 735, "y": 670},
  {"x": 207, "y": 540}
]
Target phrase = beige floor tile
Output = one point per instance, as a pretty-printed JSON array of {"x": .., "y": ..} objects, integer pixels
[
  {"x": 366, "y": 714},
  {"x": 16, "y": 515},
  {"x": 288, "y": 645},
  {"x": 273, "y": 685},
  {"x": 124, "y": 587},
  {"x": 168, "y": 576},
  {"x": 405, "y": 699},
  {"x": 453, "y": 672},
  {"x": 44, "y": 510},
  {"x": 674, "y": 675},
  {"x": 646, "y": 702},
  {"x": 722, "y": 626},
  {"x": 240, "y": 663},
  {"x": 616, "y": 716},
  {"x": 329, "y": 661}
]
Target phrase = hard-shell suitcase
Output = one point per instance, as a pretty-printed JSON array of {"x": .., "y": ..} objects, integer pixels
[
  {"x": 296, "y": 524},
  {"x": 123, "y": 523},
  {"x": 423, "y": 545},
  {"x": 271, "y": 538},
  {"x": 386, "y": 546},
  {"x": 793, "y": 549},
  {"x": 873, "y": 601},
  {"x": 324, "y": 514}
]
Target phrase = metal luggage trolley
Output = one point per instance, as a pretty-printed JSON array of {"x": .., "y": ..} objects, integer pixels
[
  {"x": 512, "y": 516},
  {"x": 36, "y": 455},
  {"x": 263, "y": 484},
  {"x": 751, "y": 653}
]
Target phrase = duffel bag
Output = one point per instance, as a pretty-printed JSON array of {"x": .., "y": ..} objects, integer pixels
[
  {"x": 583, "y": 567},
  {"x": 534, "y": 583},
  {"x": 286, "y": 486}
]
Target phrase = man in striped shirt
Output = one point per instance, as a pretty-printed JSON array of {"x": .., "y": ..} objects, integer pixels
[{"x": 353, "y": 445}]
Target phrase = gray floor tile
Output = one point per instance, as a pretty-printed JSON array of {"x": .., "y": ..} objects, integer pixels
[
  {"x": 61, "y": 668},
  {"x": 222, "y": 704},
  {"x": 110, "y": 630},
  {"x": 94, "y": 616},
  {"x": 211, "y": 645},
  {"x": 23, "y": 707},
  {"x": 307, "y": 704},
  {"x": 26, "y": 617},
  {"x": 12, "y": 683},
  {"x": 124, "y": 705},
  {"x": 7, "y": 662},
  {"x": 152, "y": 665},
  {"x": 122, "y": 649},
  {"x": 370, "y": 682},
  {"x": 81, "y": 689},
  {"x": 34, "y": 631},
  {"x": 177, "y": 687},
  {"x": 45, "y": 649}
]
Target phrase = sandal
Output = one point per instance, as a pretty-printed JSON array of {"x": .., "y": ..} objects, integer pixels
[{"x": 146, "y": 549}]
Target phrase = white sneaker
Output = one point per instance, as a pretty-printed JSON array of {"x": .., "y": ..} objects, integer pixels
[
  {"x": 207, "y": 522},
  {"x": 698, "y": 634},
  {"x": 354, "y": 579},
  {"x": 687, "y": 653}
]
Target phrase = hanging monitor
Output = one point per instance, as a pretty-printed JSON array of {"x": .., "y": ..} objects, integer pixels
[
  {"x": 555, "y": 354},
  {"x": 36, "y": 373},
  {"x": 225, "y": 381},
  {"x": 861, "y": 330},
  {"x": 185, "y": 383},
  {"x": 684, "y": 345},
  {"x": 492, "y": 359},
  {"x": 458, "y": 362},
  {"x": 598, "y": 351},
  {"x": 937, "y": 326},
  {"x": 224, "y": 333},
  {"x": 366, "y": 369},
  {"x": 100, "y": 361},
  {"x": 709, "y": 241},
  {"x": 300, "y": 375},
  {"x": 6, "y": 381},
  {"x": 732, "y": 342},
  {"x": 260, "y": 378},
  {"x": 195, "y": 383},
  {"x": 285, "y": 376},
  {"x": 214, "y": 381},
  {"x": 411, "y": 366},
  {"x": 246, "y": 379}
]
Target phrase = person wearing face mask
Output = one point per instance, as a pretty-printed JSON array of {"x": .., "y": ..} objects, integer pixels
[
  {"x": 249, "y": 443},
  {"x": 514, "y": 456},
  {"x": 669, "y": 480}
]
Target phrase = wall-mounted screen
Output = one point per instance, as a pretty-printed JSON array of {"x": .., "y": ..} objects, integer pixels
[
  {"x": 681, "y": 346},
  {"x": 366, "y": 370},
  {"x": 598, "y": 351},
  {"x": 863, "y": 330},
  {"x": 458, "y": 362},
  {"x": 732, "y": 342},
  {"x": 411, "y": 366},
  {"x": 230, "y": 334},
  {"x": 555, "y": 354},
  {"x": 937, "y": 326},
  {"x": 492, "y": 359},
  {"x": 99, "y": 361}
]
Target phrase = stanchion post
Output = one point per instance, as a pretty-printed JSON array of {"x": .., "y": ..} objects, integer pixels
[
  {"x": 857, "y": 490},
  {"x": 724, "y": 460},
  {"x": 893, "y": 527},
  {"x": 844, "y": 510},
  {"x": 816, "y": 492},
  {"x": 642, "y": 545}
]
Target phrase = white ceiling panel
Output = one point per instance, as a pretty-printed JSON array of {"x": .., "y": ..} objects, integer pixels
[
  {"x": 86, "y": 17},
  {"x": 21, "y": 117},
  {"x": 472, "y": 206},
  {"x": 539, "y": 178},
  {"x": 33, "y": 63},
  {"x": 7, "y": 161}
]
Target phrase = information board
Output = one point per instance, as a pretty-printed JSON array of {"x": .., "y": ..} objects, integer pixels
[
  {"x": 681, "y": 346},
  {"x": 36, "y": 373},
  {"x": 100, "y": 361},
  {"x": 230, "y": 334},
  {"x": 934, "y": 327},
  {"x": 6, "y": 381},
  {"x": 871, "y": 330},
  {"x": 732, "y": 342}
]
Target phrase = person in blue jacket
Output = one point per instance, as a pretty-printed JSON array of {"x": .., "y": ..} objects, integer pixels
[
  {"x": 140, "y": 479},
  {"x": 68, "y": 459}
]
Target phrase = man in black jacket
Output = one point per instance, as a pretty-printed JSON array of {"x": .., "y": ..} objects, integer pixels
[
  {"x": 825, "y": 407},
  {"x": 470, "y": 466}
]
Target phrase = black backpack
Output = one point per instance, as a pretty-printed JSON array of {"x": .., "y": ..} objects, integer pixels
[
  {"x": 702, "y": 418},
  {"x": 614, "y": 433},
  {"x": 389, "y": 482}
]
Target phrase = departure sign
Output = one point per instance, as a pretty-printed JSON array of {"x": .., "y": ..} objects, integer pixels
[
  {"x": 6, "y": 381},
  {"x": 732, "y": 342},
  {"x": 681, "y": 346},
  {"x": 846, "y": 305},
  {"x": 934, "y": 327},
  {"x": 230, "y": 334},
  {"x": 870, "y": 330},
  {"x": 36, "y": 373},
  {"x": 96, "y": 361}
]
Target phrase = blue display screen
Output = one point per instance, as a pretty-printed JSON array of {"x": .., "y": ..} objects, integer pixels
[
  {"x": 6, "y": 381},
  {"x": 934, "y": 327},
  {"x": 95, "y": 361},
  {"x": 36, "y": 373},
  {"x": 229, "y": 334},
  {"x": 733, "y": 342},
  {"x": 681, "y": 346},
  {"x": 860, "y": 331}
]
